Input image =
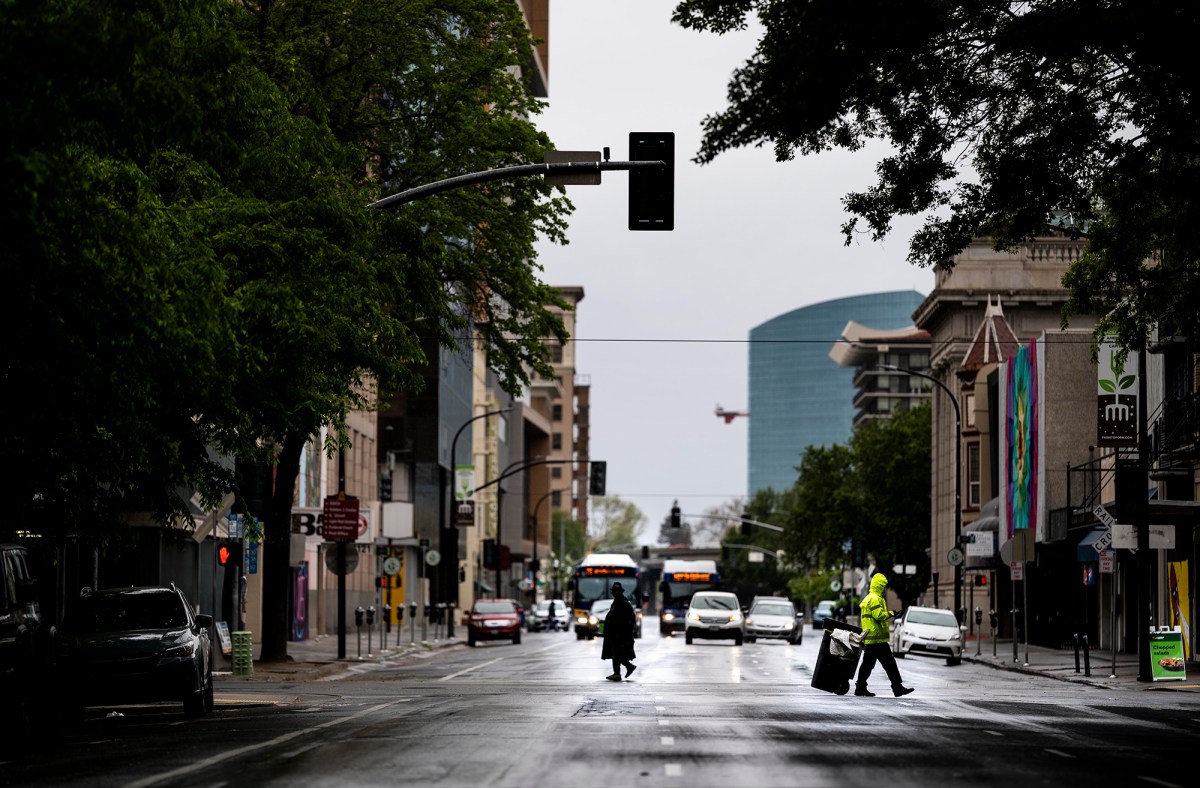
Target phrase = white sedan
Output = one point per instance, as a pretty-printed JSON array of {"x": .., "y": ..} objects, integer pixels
[{"x": 928, "y": 631}]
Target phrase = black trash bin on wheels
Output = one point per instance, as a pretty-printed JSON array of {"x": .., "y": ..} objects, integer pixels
[{"x": 833, "y": 672}]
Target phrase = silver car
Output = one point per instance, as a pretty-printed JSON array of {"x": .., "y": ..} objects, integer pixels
[
  {"x": 773, "y": 617},
  {"x": 540, "y": 620},
  {"x": 929, "y": 631}
]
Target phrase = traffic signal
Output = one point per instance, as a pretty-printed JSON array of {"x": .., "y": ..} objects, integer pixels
[
  {"x": 981, "y": 580},
  {"x": 596, "y": 472},
  {"x": 747, "y": 526},
  {"x": 676, "y": 516},
  {"x": 229, "y": 552},
  {"x": 652, "y": 191}
]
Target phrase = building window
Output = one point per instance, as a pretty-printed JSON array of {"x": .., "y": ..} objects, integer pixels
[
  {"x": 556, "y": 353},
  {"x": 556, "y": 412},
  {"x": 556, "y": 499},
  {"x": 969, "y": 410},
  {"x": 556, "y": 473},
  {"x": 556, "y": 441},
  {"x": 973, "y": 483}
]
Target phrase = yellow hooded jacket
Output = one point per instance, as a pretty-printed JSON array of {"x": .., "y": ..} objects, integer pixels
[{"x": 875, "y": 615}]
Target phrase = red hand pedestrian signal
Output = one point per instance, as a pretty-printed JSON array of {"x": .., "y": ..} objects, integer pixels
[{"x": 224, "y": 554}]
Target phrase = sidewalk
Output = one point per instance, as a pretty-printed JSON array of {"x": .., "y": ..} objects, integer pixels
[
  {"x": 317, "y": 658},
  {"x": 1060, "y": 664}
]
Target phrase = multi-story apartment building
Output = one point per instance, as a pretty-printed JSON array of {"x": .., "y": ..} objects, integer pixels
[{"x": 879, "y": 391}]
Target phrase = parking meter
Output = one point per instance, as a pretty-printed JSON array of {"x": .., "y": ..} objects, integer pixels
[
  {"x": 387, "y": 617},
  {"x": 995, "y": 619},
  {"x": 978, "y": 630},
  {"x": 412, "y": 609},
  {"x": 978, "y": 616},
  {"x": 358, "y": 616},
  {"x": 399, "y": 615},
  {"x": 371, "y": 615},
  {"x": 428, "y": 612}
]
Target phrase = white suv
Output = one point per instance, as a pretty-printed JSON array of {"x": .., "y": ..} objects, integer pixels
[{"x": 715, "y": 615}]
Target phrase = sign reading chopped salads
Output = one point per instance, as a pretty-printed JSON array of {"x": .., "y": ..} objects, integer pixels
[{"x": 1166, "y": 654}]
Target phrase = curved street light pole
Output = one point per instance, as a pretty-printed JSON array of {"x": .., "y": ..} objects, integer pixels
[
  {"x": 957, "y": 470},
  {"x": 450, "y": 507}
]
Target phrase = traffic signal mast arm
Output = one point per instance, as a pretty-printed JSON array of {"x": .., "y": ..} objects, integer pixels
[
  {"x": 531, "y": 464},
  {"x": 518, "y": 171},
  {"x": 747, "y": 520},
  {"x": 755, "y": 548}
]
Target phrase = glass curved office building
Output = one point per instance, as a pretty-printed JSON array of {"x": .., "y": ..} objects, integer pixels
[{"x": 799, "y": 396}]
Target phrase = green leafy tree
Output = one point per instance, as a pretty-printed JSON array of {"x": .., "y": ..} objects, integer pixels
[
  {"x": 871, "y": 494},
  {"x": 614, "y": 524},
  {"x": 748, "y": 578},
  {"x": 1007, "y": 120},
  {"x": 186, "y": 188}
]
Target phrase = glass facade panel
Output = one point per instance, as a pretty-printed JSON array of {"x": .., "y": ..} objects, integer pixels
[{"x": 799, "y": 397}]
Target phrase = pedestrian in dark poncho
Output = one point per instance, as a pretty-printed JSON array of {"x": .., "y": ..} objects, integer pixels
[{"x": 618, "y": 634}]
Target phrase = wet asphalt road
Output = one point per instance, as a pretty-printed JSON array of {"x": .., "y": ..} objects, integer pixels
[{"x": 711, "y": 714}]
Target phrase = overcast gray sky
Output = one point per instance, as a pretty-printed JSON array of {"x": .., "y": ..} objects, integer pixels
[{"x": 663, "y": 325}]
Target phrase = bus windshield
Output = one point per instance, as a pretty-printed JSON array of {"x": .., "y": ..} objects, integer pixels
[{"x": 589, "y": 589}]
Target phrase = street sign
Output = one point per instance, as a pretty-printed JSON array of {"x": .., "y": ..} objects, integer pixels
[
  {"x": 391, "y": 565},
  {"x": 1162, "y": 537},
  {"x": 1103, "y": 516},
  {"x": 1016, "y": 570},
  {"x": 339, "y": 521},
  {"x": 570, "y": 178},
  {"x": 1103, "y": 541},
  {"x": 252, "y": 558},
  {"x": 983, "y": 545},
  {"x": 955, "y": 556},
  {"x": 1108, "y": 562},
  {"x": 351, "y": 560},
  {"x": 835, "y": 585},
  {"x": 433, "y": 557}
]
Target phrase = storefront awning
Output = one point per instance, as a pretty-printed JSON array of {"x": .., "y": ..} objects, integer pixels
[{"x": 1085, "y": 551}]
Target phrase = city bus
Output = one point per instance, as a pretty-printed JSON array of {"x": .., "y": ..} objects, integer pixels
[
  {"x": 681, "y": 579},
  {"x": 592, "y": 581}
]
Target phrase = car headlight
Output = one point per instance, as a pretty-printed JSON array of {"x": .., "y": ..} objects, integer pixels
[
  {"x": 691, "y": 616},
  {"x": 182, "y": 650},
  {"x": 735, "y": 616},
  {"x": 668, "y": 616},
  {"x": 750, "y": 621},
  {"x": 593, "y": 620}
]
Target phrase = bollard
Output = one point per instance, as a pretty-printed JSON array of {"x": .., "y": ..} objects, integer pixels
[
  {"x": 1014, "y": 612},
  {"x": 243, "y": 653},
  {"x": 358, "y": 622},
  {"x": 1076, "y": 652},
  {"x": 450, "y": 623},
  {"x": 385, "y": 625},
  {"x": 1087, "y": 657}
]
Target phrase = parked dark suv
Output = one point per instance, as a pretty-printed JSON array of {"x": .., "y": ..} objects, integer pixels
[{"x": 25, "y": 639}]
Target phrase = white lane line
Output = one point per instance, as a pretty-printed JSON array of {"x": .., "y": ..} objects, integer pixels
[
  {"x": 473, "y": 667},
  {"x": 660, "y": 708},
  {"x": 668, "y": 741},
  {"x": 197, "y": 766},
  {"x": 1059, "y": 753},
  {"x": 1157, "y": 781},
  {"x": 673, "y": 769},
  {"x": 548, "y": 648},
  {"x": 994, "y": 733},
  {"x": 664, "y": 722}
]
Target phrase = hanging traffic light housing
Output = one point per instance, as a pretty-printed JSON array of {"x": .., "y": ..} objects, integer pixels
[
  {"x": 981, "y": 580},
  {"x": 747, "y": 526},
  {"x": 597, "y": 469},
  {"x": 652, "y": 191},
  {"x": 676, "y": 516}
]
